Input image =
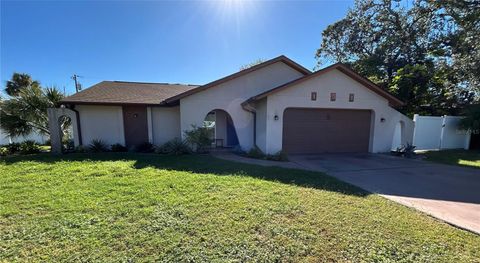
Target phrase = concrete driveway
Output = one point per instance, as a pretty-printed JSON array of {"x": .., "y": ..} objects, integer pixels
[{"x": 449, "y": 193}]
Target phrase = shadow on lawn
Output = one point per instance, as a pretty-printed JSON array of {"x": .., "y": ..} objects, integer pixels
[
  {"x": 205, "y": 164},
  {"x": 454, "y": 157}
]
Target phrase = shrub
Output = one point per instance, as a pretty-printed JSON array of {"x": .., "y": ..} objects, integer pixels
[
  {"x": 68, "y": 144},
  {"x": 175, "y": 147},
  {"x": 3, "y": 151},
  {"x": 98, "y": 146},
  {"x": 13, "y": 147},
  {"x": 117, "y": 147},
  {"x": 280, "y": 156},
  {"x": 407, "y": 151},
  {"x": 29, "y": 147},
  {"x": 256, "y": 153},
  {"x": 81, "y": 149},
  {"x": 145, "y": 147},
  {"x": 199, "y": 138}
]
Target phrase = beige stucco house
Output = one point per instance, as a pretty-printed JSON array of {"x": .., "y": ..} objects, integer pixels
[{"x": 276, "y": 105}]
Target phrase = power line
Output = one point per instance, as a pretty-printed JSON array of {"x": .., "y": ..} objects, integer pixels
[{"x": 78, "y": 86}]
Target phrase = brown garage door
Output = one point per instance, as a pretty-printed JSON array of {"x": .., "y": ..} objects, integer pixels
[{"x": 326, "y": 130}]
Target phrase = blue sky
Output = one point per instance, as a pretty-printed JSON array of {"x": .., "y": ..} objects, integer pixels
[{"x": 191, "y": 42}]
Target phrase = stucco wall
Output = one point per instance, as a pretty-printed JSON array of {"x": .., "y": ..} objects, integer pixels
[
  {"x": 229, "y": 96},
  {"x": 261, "y": 127},
  {"x": 101, "y": 122},
  {"x": 165, "y": 124},
  {"x": 335, "y": 81}
]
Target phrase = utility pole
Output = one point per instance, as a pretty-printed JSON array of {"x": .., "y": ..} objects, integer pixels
[{"x": 77, "y": 85}]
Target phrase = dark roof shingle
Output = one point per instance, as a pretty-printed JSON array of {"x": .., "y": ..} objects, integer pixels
[{"x": 121, "y": 92}]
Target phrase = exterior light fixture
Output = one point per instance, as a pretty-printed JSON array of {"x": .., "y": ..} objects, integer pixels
[
  {"x": 275, "y": 117},
  {"x": 382, "y": 119}
]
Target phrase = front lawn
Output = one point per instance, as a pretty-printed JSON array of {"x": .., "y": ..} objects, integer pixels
[
  {"x": 455, "y": 157},
  {"x": 133, "y": 207}
]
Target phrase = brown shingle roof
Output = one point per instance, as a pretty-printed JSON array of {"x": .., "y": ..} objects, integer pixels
[{"x": 121, "y": 92}]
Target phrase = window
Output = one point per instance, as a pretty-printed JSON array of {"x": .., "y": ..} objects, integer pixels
[
  {"x": 333, "y": 96},
  {"x": 351, "y": 97},
  {"x": 313, "y": 96}
]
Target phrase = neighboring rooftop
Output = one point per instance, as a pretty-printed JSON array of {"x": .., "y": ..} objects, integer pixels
[{"x": 122, "y": 92}]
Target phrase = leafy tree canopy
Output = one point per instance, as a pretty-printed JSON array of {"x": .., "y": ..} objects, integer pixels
[
  {"x": 18, "y": 82},
  {"x": 425, "y": 52},
  {"x": 254, "y": 63}
]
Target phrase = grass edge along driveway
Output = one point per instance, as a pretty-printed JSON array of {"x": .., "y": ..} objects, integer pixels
[
  {"x": 134, "y": 207},
  {"x": 465, "y": 158}
]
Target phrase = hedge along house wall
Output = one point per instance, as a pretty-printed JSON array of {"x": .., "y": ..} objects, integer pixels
[{"x": 439, "y": 133}]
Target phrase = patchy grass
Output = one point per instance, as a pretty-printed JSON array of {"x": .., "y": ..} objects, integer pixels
[
  {"x": 455, "y": 157},
  {"x": 45, "y": 148},
  {"x": 134, "y": 207}
]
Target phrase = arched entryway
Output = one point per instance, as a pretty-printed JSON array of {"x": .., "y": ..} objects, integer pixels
[
  {"x": 58, "y": 120},
  {"x": 221, "y": 127},
  {"x": 66, "y": 133}
]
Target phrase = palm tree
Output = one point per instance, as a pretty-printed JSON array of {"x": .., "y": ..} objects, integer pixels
[{"x": 26, "y": 109}]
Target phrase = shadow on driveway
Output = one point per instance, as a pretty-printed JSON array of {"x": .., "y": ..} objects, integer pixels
[{"x": 451, "y": 193}]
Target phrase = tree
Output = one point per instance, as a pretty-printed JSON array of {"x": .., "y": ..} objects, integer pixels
[
  {"x": 26, "y": 109},
  {"x": 18, "y": 82},
  {"x": 406, "y": 48},
  {"x": 254, "y": 63},
  {"x": 472, "y": 120},
  {"x": 461, "y": 41}
]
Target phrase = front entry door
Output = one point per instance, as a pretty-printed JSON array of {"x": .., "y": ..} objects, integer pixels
[{"x": 135, "y": 125}]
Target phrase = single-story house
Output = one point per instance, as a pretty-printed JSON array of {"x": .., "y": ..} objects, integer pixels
[{"x": 276, "y": 105}]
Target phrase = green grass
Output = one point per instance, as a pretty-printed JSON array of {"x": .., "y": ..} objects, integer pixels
[
  {"x": 132, "y": 207},
  {"x": 455, "y": 157}
]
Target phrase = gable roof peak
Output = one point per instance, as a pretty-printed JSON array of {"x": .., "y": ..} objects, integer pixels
[
  {"x": 394, "y": 101},
  {"x": 281, "y": 58}
]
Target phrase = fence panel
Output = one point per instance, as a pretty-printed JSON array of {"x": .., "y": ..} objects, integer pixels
[
  {"x": 427, "y": 132},
  {"x": 437, "y": 133}
]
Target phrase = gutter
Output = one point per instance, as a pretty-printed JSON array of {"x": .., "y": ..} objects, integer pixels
[{"x": 248, "y": 107}]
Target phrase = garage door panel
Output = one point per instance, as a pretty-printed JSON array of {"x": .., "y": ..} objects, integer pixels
[{"x": 326, "y": 130}]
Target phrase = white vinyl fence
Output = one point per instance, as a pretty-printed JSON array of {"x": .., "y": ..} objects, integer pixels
[
  {"x": 5, "y": 139},
  {"x": 439, "y": 132}
]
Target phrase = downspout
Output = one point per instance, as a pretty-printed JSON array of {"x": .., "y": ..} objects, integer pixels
[
  {"x": 246, "y": 106},
  {"x": 79, "y": 127}
]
